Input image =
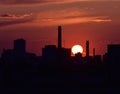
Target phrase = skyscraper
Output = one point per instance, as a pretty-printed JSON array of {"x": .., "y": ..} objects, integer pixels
[{"x": 20, "y": 46}]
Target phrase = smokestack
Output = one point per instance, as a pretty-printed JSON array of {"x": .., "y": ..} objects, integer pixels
[
  {"x": 93, "y": 52},
  {"x": 59, "y": 37},
  {"x": 87, "y": 48}
]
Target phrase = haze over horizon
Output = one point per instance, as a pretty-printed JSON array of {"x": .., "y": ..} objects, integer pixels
[{"x": 36, "y": 21}]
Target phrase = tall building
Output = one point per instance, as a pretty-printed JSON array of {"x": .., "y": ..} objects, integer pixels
[
  {"x": 93, "y": 52},
  {"x": 51, "y": 53},
  {"x": 59, "y": 37},
  {"x": 114, "y": 62},
  {"x": 114, "y": 54},
  {"x": 62, "y": 53},
  {"x": 20, "y": 46},
  {"x": 18, "y": 54}
]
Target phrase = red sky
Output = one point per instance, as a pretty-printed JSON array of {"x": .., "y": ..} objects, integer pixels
[{"x": 37, "y": 20}]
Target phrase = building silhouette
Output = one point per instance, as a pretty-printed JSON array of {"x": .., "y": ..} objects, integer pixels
[
  {"x": 87, "y": 48},
  {"x": 59, "y": 37},
  {"x": 25, "y": 69},
  {"x": 78, "y": 59},
  {"x": 114, "y": 54},
  {"x": 94, "y": 52},
  {"x": 8, "y": 56},
  {"x": 51, "y": 53},
  {"x": 88, "y": 58},
  {"x": 20, "y": 46},
  {"x": 97, "y": 59},
  {"x": 112, "y": 57},
  {"x": 18, "y": 54}
]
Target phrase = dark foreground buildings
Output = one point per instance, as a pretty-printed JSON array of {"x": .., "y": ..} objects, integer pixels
[
  {"x": 56, "y": 71},
  {"x": 112, "y": 61},
  {"x": 53, "y": 54},
  {"x": 18, "y": 54}
]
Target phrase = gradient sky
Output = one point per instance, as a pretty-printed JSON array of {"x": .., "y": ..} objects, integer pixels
[{"x": 36, "y": 21}]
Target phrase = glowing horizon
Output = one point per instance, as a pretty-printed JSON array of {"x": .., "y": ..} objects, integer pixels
[{"x": 37, "y": 22}]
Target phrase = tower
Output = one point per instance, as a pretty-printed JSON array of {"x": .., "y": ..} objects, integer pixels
[
  {"x": 20, "y": 46},
  {"x": 93, "y": 52},
  {"x": 59, "y": 37},
  {"x": 87, "y": 48}
]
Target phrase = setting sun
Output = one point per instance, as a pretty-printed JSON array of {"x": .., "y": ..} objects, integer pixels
[{"x": 77, "y": 49}]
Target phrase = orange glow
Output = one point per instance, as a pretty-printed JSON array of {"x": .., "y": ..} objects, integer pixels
[{"x": 77, "y": 49}]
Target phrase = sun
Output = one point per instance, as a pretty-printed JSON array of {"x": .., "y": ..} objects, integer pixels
[{"x": 77, "y": 49}]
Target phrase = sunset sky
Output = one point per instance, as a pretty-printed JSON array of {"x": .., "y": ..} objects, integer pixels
[{"x": 36, "y": 21}]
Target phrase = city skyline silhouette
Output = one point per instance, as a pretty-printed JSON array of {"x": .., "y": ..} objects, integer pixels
[
  {"x": 36, "y": 44},
  {"x": 37, "y": 24},
  {"x": 19, "y": 45},
  {"x": 22, "y": 70},
  {"x": 59, "y": 56}
]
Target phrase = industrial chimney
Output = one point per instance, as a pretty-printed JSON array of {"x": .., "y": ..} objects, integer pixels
[
  {"x": 59, "y": 37},
  {"x": 87, "y": 48},
  {"x": 93, "y": 52}
]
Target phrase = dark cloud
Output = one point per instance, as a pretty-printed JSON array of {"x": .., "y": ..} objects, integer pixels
[
  {"x": 9, "y": 19},
  {"x": 5, "y": 15},
  {"x": 24, "y": 1}
]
